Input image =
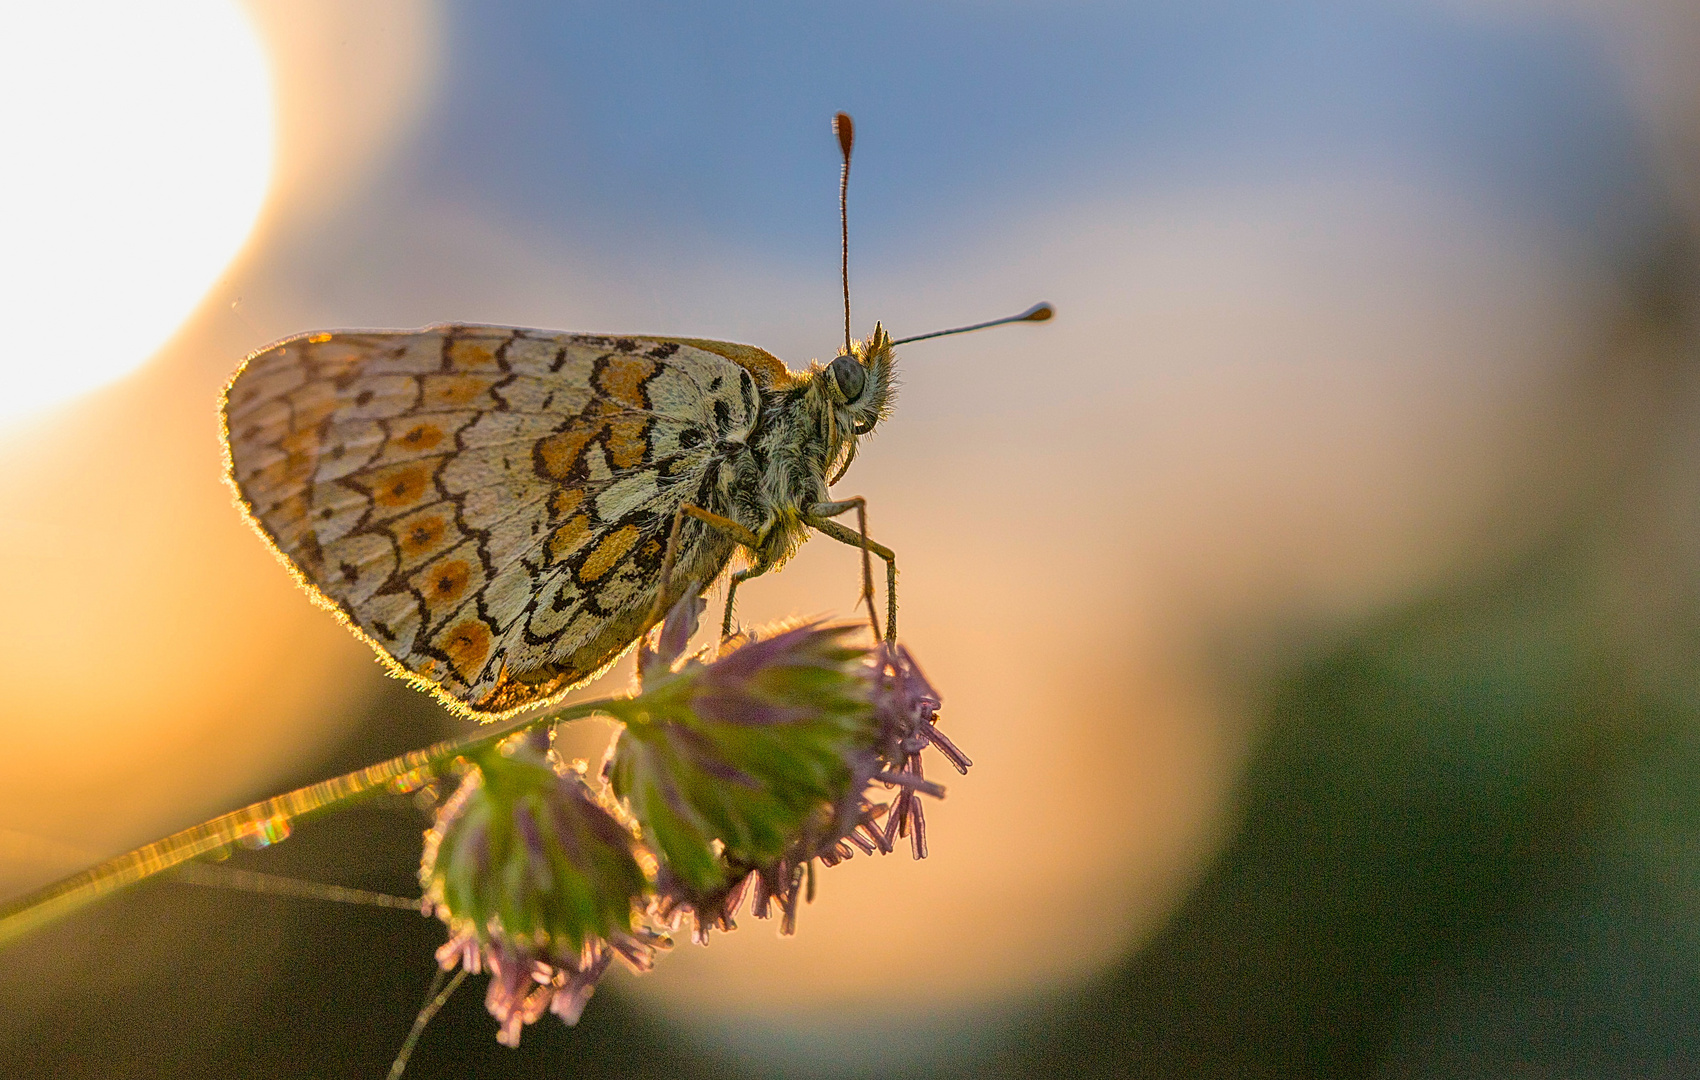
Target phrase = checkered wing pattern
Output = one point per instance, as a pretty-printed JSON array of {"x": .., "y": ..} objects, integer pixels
[{"x": 488, "y": 507}]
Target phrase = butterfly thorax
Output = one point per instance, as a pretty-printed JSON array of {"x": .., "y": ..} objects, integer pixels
[{"x": 806, "y": 437}]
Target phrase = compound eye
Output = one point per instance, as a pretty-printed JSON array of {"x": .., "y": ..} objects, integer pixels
[{"x": 850, "y": 377}]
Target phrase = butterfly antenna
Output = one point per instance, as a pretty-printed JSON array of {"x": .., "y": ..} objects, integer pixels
[
  {"x": 846, "y": 132},
  {"x": 1040, "y": 312}
]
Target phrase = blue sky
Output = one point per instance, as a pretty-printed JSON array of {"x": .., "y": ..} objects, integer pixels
[{"x": 609, "y": 123}]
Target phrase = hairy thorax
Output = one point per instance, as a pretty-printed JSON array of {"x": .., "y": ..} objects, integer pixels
[{"x": 780, "y": 473}]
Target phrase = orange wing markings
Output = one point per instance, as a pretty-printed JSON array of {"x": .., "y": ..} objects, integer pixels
[
  {"x": 473, "y": 353},
  {"x": 608, "y": 552},
  {"x": 423, "y": 535},
  {"x": 466, "y": 645},
  {"x": 567, "y": 538},
  {"x": 621, "y": 378},
  {"x": 480, "y": 504},
  {"x": 444, "y": 585},
  {"x": 770, "y": 372}
]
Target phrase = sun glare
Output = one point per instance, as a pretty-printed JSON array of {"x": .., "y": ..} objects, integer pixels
[{"x": 137, "y": 142}]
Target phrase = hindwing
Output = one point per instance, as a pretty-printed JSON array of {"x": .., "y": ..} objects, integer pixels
[{"x": 488, "y": 507}]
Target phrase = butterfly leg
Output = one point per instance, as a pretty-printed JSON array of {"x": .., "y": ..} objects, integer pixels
[
  {"x": 732, "y": 591},
  {"x": 744, "y": 537},
  {"x": 713, "y": 520},
  {"x": 817, "y": 519}
]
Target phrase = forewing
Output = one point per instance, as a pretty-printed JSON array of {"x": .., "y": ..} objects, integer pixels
[{"x": 488, "y": 507}]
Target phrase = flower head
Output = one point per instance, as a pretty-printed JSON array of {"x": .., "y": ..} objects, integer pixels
[
  {"x": 744, "y": 767},
  {"x": 742, "y": 762},
  {"x": 537, "y": 883}
]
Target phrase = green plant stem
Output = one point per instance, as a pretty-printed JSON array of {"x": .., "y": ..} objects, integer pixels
[
  {"x": 260, "y": 824},
  {"x": 439, "y": 996}
]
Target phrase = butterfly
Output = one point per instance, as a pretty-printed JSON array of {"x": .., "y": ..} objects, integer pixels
[{"x": 501, "y": 513}]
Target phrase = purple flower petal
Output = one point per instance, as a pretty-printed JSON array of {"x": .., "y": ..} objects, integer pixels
[{"x": 676, "y": 633}]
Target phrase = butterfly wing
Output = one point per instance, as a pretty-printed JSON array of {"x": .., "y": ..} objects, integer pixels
[{"x": 488, "y": 507}]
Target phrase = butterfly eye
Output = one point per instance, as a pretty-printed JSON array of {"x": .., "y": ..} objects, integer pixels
[{"x": 849, "y": 376}]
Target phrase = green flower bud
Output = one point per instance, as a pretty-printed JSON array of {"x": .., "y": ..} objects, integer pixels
[
  {"x": 731, "y": 764},
  {"x": 537, "y": 883}
]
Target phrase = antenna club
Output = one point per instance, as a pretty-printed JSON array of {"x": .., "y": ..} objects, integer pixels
[
  {"x": 846, "y": 132},
  {"x": 1040, "y": 312}
]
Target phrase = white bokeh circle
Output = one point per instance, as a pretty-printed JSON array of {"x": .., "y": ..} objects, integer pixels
[{"x": 137, "y": 144}]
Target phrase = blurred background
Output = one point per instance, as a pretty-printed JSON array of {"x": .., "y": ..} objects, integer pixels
[{"x": 1318, "y": 595}]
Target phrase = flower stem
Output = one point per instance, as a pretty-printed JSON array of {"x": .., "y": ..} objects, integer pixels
[
  {"x": 439, "y": 996},
  {"x": 214, "y": 876},
  {"x": 260, "y": 824}
]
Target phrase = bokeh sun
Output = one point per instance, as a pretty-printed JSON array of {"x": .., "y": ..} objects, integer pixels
[{"x": 138, "y": 143}]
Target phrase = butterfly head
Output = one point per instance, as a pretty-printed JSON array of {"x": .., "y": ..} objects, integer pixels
[
  {"x": 860, "y": 384},
  {"x": 857, "y": 389}
]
